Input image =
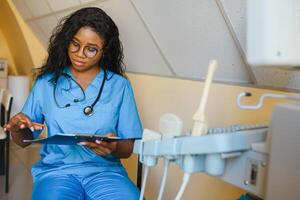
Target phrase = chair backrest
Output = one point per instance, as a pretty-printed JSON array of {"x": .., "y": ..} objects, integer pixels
[
  {"x": 2, "y": 112},
  {"x": 6, "y": 99}
]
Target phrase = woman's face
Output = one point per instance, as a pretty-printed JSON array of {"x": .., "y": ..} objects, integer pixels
[{"x": 85, "y": 50}]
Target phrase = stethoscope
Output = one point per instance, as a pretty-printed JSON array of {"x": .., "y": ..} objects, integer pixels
[{"x": 88, "y": 110}]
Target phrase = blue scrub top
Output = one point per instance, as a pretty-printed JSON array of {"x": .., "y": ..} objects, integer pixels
[{"x": 115, "y": 112}]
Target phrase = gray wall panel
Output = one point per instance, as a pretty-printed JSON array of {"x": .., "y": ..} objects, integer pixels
[{"x": 190, "y": 33}]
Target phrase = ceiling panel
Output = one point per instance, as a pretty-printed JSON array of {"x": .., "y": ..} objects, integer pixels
[
  {"x": 236, "y": 12},
  {"x": 46, "y": 24},
  {"x": 60, "y": 15},
  {"x": 38, "y": 7},
  {"x": 141, "y": 54},
  {"x": 171, "y": 37},
  {"x": 39, "y": 33},
  {"x": 190, "y": 39},
  {"x": 57, "y": 5},
  {"x": 22, "y": 8},
  {"x": 86, "y": 1}
]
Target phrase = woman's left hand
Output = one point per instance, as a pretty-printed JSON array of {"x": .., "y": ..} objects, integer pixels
[{"x": 102, "y": 148}]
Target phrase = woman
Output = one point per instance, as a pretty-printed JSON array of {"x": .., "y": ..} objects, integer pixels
[{"x": 81, "y": 89}]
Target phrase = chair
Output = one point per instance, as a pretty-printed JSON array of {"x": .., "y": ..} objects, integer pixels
[
  {"x": 6, "y": 103},
  {"x": 139, "y": 173}
]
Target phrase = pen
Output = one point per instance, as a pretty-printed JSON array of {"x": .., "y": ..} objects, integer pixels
[{"x": 34, "y": 123}]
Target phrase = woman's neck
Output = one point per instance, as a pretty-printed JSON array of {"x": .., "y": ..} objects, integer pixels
[{"x": 84, "y": 78}]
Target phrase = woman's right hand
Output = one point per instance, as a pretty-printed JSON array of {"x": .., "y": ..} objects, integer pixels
[{"x": 20, "y": 121}]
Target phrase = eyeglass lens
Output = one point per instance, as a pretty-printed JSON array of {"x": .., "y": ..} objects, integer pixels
[{"x": 88, "y": 51}]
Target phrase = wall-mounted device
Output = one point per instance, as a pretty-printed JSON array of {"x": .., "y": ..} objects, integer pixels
[{"x": 273, "y": 32}]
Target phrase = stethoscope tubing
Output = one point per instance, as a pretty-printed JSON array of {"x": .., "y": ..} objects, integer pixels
[{"x": 88, "y": 110}]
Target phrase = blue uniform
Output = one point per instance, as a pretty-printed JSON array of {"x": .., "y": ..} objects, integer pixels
[{"x": 74, "y": 171}]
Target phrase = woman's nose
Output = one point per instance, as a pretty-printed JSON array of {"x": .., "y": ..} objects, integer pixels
[{"x": 80, "y": 53}]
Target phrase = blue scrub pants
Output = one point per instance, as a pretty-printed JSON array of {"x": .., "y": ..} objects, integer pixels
[{"x": 105, "y": 185}]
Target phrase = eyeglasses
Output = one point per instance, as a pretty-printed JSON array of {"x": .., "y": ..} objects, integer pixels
[{"x": 88, "y": 51}]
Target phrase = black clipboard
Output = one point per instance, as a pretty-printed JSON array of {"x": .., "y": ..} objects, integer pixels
[{"x": 74, "y": 139}]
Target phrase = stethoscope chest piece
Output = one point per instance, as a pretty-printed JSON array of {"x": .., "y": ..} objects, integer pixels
[{"x": 88, "y": 110}]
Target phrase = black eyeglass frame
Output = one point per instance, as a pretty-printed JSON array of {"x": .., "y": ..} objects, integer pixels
[{"x": 84, "y": 49}]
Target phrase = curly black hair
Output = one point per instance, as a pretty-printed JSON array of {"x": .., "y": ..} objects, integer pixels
[{"x": 64, "y": 32}]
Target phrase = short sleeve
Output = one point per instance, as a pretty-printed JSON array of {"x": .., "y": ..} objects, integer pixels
[
  {"x": 32, "y": 107},
  {"x": 129, "y": 124}
]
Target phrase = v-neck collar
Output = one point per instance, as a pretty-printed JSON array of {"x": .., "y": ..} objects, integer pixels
[{"x": 95, "y": 83}]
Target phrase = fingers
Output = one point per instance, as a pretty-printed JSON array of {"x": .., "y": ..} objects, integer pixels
[
  {"x": 25, "y": 122},
  {"x": 20, "y": 121},
  {"x": 101, "y": 147},
  {"x": 89, "y": 144},
  {"x": 110, "y": 134},
  {"x": 101, "y": 152},
  {"x": 14, "y": 124},
  {"x": 37, "y": 126}
]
